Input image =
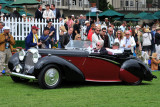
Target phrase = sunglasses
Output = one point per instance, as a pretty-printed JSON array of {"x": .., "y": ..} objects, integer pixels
[
  {"x": 110, "y": 31},
  {"x": 126, "y": 34},
  {"x": 97, "y": 45},
  {"x": 99, "y": 30},
  {"x": 104, "y": 31},
  {"x": 79, "y": 37}
]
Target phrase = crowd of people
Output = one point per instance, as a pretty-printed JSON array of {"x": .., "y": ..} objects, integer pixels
[{"x": 125, "y": 39}]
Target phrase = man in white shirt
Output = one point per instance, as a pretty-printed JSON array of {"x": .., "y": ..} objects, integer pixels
[
  {"x": 96, "y": 36},
  {"x": 115, "y": 49},
  {"x": 123, "y": 26},
  {"x": 48, "y": 14},
  {"x": 129, "y": 43}
]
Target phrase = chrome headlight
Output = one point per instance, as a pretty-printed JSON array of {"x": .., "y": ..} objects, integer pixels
[
  {"x": 36, "y": 56},
  {"x": 22, "y": 55}
]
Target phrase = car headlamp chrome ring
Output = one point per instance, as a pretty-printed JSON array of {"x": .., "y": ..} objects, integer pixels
[
  {"x": 36, "y": 56},
  {"x": 22, "y": 55}
]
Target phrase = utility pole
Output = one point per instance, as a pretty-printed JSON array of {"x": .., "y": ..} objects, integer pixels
[{"x": 97, "y": 4}]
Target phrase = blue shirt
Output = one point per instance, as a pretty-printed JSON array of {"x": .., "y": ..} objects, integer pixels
[{"x": 43, "y": 38}]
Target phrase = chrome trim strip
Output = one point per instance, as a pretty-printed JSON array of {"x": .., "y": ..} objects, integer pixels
[
  {"x": 105, "y": 59},
  {"x": 23, "y": 76}
]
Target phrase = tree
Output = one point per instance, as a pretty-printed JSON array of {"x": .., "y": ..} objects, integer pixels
[{"x": 104, "y": 5}]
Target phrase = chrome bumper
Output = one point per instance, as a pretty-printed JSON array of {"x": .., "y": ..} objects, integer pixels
[{"x": 23, "y": 76}]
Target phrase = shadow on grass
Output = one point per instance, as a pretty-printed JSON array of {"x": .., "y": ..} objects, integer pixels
[{"x": 67, "y": 84}]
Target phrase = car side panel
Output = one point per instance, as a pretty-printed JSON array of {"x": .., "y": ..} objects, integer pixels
[{"x": 95, "y": 69}]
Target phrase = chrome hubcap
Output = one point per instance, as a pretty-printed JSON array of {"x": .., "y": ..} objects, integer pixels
[{"x": 51, "y": 76}]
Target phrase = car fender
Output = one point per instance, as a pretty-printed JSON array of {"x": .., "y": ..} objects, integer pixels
[
  {"x": 133, "y": 69},
  {"x": 70, "y": 71},
  {"x": 13, "y": 61}
]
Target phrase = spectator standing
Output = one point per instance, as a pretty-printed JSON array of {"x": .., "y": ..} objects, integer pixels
[
  {"x": 88, "y": 27},
  {"x": 107, "y": 23},
  {"x": 53, "y": 32},
  {"x": 1, "y": 27},
  {"x": 98, "y": 22},
  {"x": 91, "y": 32},
  {"x": 154, "y": 62},
  {"x": 39, "y": 13},
  {"x": 119, "y": 39},
  {"x": 56, "y": 11},
  {"x": 31, "y": 40},
  {"x": 123, "y": 26},
  {"x": 147, "y": 37},
  {"x": 129, "y": 43},
  {"x": 153, "y": 32},
  {"x": 104, "y": 37},
  {"x": 76, "y": 28},
  {"x": 114, "y": 29},
  {"x": 110, "y": 37},
  {"x": 62, "y": 32},
  {"x": 157, "y": 40},
  {"x": 48, "y": 14},
  {"x": 81, "y": 20},
  {"x": 67, "y": 37},
  {"x": 96, "y": 36},
  {"x": 6, "y": 47},
  {"x": 70, "y": 22},
  {"x": 46, "y": 38}
]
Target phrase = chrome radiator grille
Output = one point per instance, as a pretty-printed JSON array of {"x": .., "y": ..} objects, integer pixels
[{"x": 28, "y": 62}]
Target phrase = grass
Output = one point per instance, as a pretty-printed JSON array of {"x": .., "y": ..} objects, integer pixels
[{"x": 80, "y": 94}]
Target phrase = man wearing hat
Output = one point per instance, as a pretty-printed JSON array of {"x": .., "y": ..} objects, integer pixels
[
  {"x": 88, "y": 27},
  {"x": 31, "y": 40},
  {"x": 107, "y": 22},
  {"x": 6, "y": 47},
  {"x": 48, "y": 14}
]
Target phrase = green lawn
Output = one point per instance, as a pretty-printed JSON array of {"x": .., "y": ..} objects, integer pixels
[{"x": 80, "y": 94}]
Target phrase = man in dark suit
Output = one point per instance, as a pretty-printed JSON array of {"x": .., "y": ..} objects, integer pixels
[
  {"x": 56, "y": 12},
  {"x": 39, "y": 13},
  {"x": 67, "y": 37}
]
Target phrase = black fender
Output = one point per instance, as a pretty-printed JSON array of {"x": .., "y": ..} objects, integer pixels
[
  {"x": 70, "y": 71},
  {"x": 138, "y": 69},
  {"x": 13, "y": 61}
]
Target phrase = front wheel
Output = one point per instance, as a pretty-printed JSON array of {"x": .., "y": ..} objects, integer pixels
[{"x": 49, "y": 77}]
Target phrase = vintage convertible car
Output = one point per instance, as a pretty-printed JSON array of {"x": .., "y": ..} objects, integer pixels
[{"x": 78, "y": 62}]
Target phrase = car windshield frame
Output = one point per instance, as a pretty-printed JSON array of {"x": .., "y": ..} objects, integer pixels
[{"x": 80, "y": 45}]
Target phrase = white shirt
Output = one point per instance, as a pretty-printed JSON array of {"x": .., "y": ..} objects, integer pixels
[
  {"x": 122, "y": 28},
  {"x": 129, "y": 41},
  {"x": 48, "y": 13},
  {"x": 115, "y": 51},
  {"x": 96, "y": 37}
]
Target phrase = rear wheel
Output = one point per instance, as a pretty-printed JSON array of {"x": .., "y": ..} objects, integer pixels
[
  {"x": 49, "y": 77},
  {"x": 18, "y": 79}
]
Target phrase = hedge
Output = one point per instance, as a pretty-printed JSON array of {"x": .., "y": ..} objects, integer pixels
[{"x": 19, "y": 44}]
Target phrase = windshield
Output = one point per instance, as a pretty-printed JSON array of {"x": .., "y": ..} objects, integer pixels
[{"x": 77, "y": 44}]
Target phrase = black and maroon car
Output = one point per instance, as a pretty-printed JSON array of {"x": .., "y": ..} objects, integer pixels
[{"x": 78, "y": 62}]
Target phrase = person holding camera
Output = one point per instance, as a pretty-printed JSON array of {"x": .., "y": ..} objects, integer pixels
[{"x": 6, "y": 47}]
